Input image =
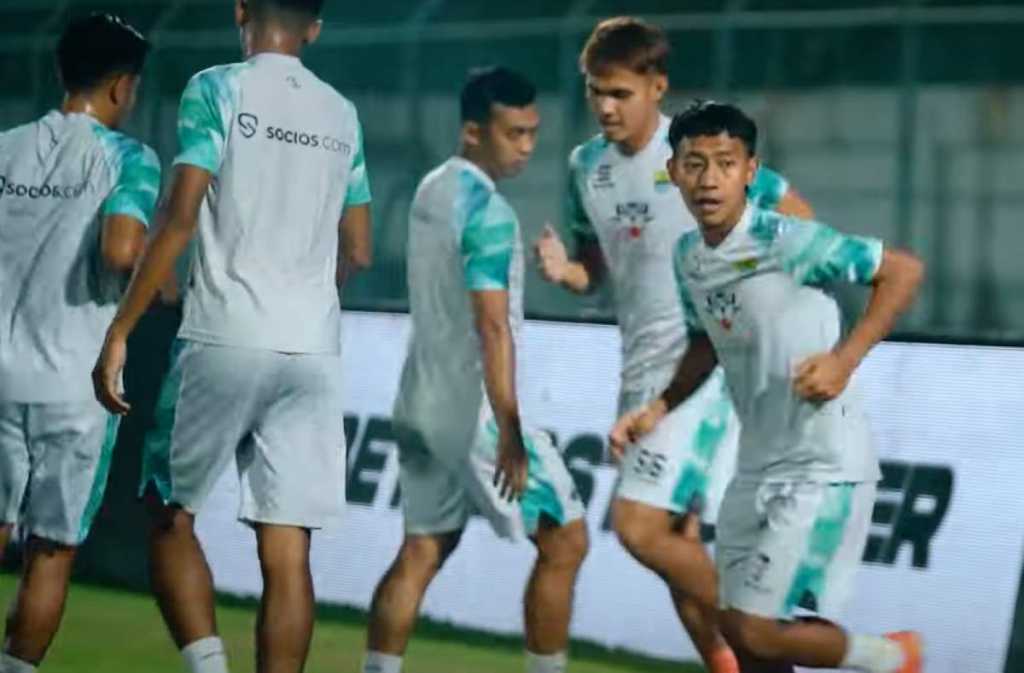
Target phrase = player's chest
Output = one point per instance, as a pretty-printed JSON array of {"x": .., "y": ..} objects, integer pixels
[{"x": 740, "y": 299}]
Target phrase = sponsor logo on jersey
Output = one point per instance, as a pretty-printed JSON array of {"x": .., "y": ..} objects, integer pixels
[
  {"x": 723, "y": 307},
  {"x": 662, "y": 181},
  {"x": 632, "y": 218},
  {"x": 249, "y": 124},
  {"x": 9, "y": 188}
]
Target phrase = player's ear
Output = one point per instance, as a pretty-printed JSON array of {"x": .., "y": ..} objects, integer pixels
[
  {"x": 313, "y": 31},
  {"x": 753, "y": 164},
  {"x": 660, "y": 85},
  {"x": 472, "y": 134},
  {"x": 119, "y": 89}
]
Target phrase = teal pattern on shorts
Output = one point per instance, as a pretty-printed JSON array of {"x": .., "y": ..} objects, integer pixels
[
  {"x": 825, "y": 539},
  {"x": 539, "y": 497},
  {"x": 156, "y": 448},
  {"x": 99, "y": 483},
  {"x": 707, "y": 440}
]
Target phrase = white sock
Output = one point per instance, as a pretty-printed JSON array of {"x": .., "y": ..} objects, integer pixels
[
  {"x": 378, "y": 662},
  {"x": 872, "y": 654},
  {"x": 206, "y": 655},
  {"x": 9, "y": 664},
  {"x": 546, "y": 663}
]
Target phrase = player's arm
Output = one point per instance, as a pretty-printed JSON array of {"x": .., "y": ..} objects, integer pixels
[
  {"x": 128, "y": 209},
  {"x": 122, "y": 239},
  {"x": 355, "y": 242},
  {"x": 817, "y": 255},
  {"x": 355, "y": 235},
  {"x": 771, "y": 191}
]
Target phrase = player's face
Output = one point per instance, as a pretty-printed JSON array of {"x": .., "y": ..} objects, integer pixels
[
  {"x": 713, "y": 172},
  {"x": 509, "y": 138},
  {"x": 624, "y": 101}
]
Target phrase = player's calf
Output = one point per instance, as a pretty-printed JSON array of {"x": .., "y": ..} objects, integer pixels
[
  {"x": 284, "y": 626},
  {"x": 39, "y": 604}
]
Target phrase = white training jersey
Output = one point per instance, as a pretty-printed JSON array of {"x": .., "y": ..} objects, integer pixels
[
  {"x": 630, "y": 206},
  {"x": 463, "y": 237},
  {"x": 759, "y": 297},
  {"x": 60, "y": 176},
  {"x": 286, "y": 153}
]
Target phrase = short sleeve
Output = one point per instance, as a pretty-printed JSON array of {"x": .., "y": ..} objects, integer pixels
[
  {"x": 203, "y": 121},
  {"x": 816, "y": 254},
  {"x": 487, "y": 241},
  {"x": 767, "y": 189},
  {"x": 691, "y": 319},
  {"x": 576, "y": 214},
  {"x": 138, "y": 185},
  {"x": 358, "y": 193}
]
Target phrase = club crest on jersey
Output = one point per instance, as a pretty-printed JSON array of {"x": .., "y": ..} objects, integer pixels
[
  {"x": 723, "y": 307},
  {"x": 632, "y": 218},
  {"x": 603, "y": 177},
  {"x": 748, "y": 264},
  {"x": 662, "y": 181}
]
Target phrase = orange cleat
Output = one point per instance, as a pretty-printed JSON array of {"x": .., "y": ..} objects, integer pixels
[{"x": 913, "y": 650}]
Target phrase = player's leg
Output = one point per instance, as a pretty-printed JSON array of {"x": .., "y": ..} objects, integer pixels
[
  {"x": 551, "y": 514},
  {"x": 550, "y": 589},
  {"x": 14, "y": 468},
  {"x": 435, "y": 511},
  {"x": 70, "y": 446},
  {"x": 665, "y": 478},
  {"x": 284, "y": 627},
  {"x": 35, "y": 614},
  {"x": 787, "y": 546}
]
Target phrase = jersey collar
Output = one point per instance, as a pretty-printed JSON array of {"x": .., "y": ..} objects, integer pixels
[
  {"x": 270, "y": 57},
  {"x": 466, "y": 164}
]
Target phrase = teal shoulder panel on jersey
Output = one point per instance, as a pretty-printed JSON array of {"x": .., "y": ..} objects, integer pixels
[
  {"x": 486, "y": 226},
  {"x": 582, "y": 162},
  {"x": 816, "y": 254},
  {"x": 137, "y": 185},
  {"x": 207, "y": 107},
  {"x": 764, "y": 226},
  {"x": 684, "y": 246},
  {"x": 767, "y": 189},
  {"x": 358, "y": 193}
]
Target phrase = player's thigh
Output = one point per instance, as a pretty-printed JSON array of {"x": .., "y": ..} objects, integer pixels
[
  {"x": 219, "y": 393},
  {"x": 14, "y": 460},
  {"x": 71, "y": 444},
  {"x": 550, "y": 494},
  {"x": 292, "y": 464},
  {"x": 855, "y": 504},
  {"x": 777, "y": 545},
  {"x": 435, "y": 503},
  {"x": 680, "y": 466}
]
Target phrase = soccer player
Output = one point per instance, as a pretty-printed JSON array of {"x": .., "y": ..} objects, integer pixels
[
  {"x": 462, "y": 445},
  {"x": 270, "y": 162},
  {"x": 626, "y": 216},
  {"x": 754, "y": 292},
  {"x": 76, "y": 197}
]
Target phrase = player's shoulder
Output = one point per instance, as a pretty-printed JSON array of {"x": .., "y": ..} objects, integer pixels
[
  {"x": 218, "y": 78},
  {"x": 585, "y": 157},
  {"x": 767, "y": 226},
  {"x": 687, "y": 243},
  {"x": 122, "y": 149}
]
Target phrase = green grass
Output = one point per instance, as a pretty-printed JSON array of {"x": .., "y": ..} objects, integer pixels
[{"x": 113, "y": 631}]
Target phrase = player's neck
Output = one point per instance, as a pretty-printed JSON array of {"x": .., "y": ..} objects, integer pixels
[
  {"x": 714, "y": 234},
  {"x": 84, "y": 104},
  {"x": 474, "y": 158},
  {"x": 270, "y": 39},
  {"x": 642, "y": 138}
]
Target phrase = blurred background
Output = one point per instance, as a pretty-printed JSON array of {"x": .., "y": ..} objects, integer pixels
[{"x": 899, "y": 119}]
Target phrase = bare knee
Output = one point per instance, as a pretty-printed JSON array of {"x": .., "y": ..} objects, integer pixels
[
  {"x": 423, "y": 555},
  {"x": 639, "y": 527},
  {"x": 755, "y": 637},
  {"x": 563, "y": 546},
  {"x": 168, "y": 520},
  {"x": 283, "y": 549}
]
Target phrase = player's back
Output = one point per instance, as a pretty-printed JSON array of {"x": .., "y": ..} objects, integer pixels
[
  {"x": 59, "y": 176},
  {"x": 286, "y": 152},
  {"x": 456, "y": 215}
]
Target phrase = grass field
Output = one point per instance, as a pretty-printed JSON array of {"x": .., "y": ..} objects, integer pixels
[{"x": 112, "y": 631}]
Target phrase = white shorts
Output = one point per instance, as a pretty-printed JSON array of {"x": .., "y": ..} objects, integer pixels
[
  {"x": 686, "y": 463},
  {"x": 280, "y": 416},
  {"x": 440, "y": 490},
  {"x": 54, "y": 462},
  {"x": 788, "y": 547}
]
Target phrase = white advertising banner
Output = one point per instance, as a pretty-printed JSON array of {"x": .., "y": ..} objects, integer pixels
[{"x": 944, "y": 555}]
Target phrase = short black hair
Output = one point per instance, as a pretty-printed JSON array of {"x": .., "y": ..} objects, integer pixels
[
  {"x": 708, "y": 118},
  {"x": 98, "y": 46},
  {"x": 494, "y": 84},
  {"x": 301, "y": 11}
]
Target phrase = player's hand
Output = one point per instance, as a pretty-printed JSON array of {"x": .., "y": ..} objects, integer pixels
[
  {"x": 511, "y": 472},
  {"x": 552, "y": 258},
  {"x": 106, "y": 375},
  {"x": 822, "y": 377},
  {"x": 633, "y": 425}
]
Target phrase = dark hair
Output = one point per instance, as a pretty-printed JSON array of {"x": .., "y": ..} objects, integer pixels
[
  {"x": 629, "y": 42},
  {"x": 494, "y": 84},
  {"x": 96, "y": 47},
  {"x": 708, "y": 118},
  {"x": 302, "y": 11}
]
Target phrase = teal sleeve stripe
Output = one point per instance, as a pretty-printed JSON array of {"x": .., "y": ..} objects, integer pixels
[
  {"x": 358, "y": 192},
  {"x": 767, "y": 189},
  {"x": 487, "y": 253},
  {"x": 816, "y": 254},
  {"x": 202, "y": 119},
  {"x": 691, "y": 318},
  {"x": 138, "y": 187}
]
